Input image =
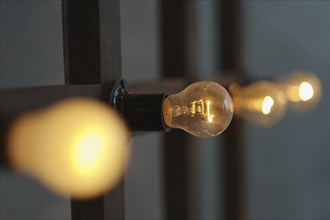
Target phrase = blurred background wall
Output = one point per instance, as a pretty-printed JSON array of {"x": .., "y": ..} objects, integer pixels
[{"x": 287, "y": 165}]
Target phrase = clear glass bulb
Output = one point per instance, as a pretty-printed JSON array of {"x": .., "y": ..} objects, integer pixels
[
  {"x": 203, "y": 109},
  {"x": 77, "y": 147},
  {"x": 303, "y": 90},
  {"x": 262, "y": 103}
]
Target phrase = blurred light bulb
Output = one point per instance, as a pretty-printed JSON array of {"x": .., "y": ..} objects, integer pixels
[
  {"x": 306, "y": 91},
  {"x": 303, "y": 90},
  {"x": 203, "y": 109},
  {"x": 77, "y": 147},
  {"x": 262, "y": 103},
  {"x": 267, "y": 105}
]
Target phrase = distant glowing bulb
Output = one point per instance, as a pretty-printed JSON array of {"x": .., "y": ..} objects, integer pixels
[
  {"x": 203, "y": 109},
  {"x": 306, "y": 91},
  {"x": 303, "y": 90},
  {"x": 262, "y": 103},
  {"x": 77, "y": 147},
  {"x": 267, "y": 105}
]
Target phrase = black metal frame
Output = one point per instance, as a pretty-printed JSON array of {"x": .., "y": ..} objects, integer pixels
[{"x": 91, "y": 31}]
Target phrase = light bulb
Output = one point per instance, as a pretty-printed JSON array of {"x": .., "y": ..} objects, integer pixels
[
  {"x": 262, "y": 103},
  {"x": 77, "y": 147},
  {"x": 303, "y": 90},
  {"x": 203, "y": 109}
]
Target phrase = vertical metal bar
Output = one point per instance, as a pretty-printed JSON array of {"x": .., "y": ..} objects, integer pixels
[
  {"x": 87, "y": 209},
  {"x": 233, "y": 155},
  {"x": 175, "y": 143},
  {"x": 110, "y": 52},
  {"x": 179, "y": 170},
  {"x": 173, "y": 39},
  {"x": 82, "y": 66},
  {"x": 92, "y": 55},
  {"x": 81, "y": 41}
]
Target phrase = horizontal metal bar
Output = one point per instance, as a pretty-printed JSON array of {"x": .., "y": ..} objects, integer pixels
[
  {"x": 14, "y": 102},
  {"x": 17, "y": 101}
]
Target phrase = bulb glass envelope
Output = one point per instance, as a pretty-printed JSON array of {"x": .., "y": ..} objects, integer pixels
[
  {"x": 203, "y": 109},
  {"x": 77, "y": 147},
  {"x": 303, "y": 90},
  {"x": 263, "y": 102}
]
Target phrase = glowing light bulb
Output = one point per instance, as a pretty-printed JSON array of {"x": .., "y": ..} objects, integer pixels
[
  {"x": 77, "y": 147},
  {"x": 267, "y": 105},
  {"x": 262, "y": 103},
  {"x": 306, "y": 91},
  {"x": 203, "y": 109},
  {"x": 303, "y": 90}
]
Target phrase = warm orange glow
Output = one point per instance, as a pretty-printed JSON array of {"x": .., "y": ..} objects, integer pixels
[
  {"x": 88, "y": 152},
  {"x": 303, "y": 90},
  {"x": 263, "y": 103},
  {"x": 77, "y": 147}
]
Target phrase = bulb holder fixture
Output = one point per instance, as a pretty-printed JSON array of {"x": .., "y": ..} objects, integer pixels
[{"x": 141, "y": 112}]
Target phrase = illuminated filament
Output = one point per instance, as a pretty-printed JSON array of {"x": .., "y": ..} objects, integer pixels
[
  {"x": 306, "y": 91},
  {"x": 209, "y": 115},
  {"x": 196, "y": 108},
  {"x": 267, "y": 105}
]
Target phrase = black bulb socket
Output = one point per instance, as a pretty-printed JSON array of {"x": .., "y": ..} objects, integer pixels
[{"x": 142, "y": 112}]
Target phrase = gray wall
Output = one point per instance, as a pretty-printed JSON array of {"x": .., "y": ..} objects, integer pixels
[
  {"x": 31, "y": 43},
  {"x": 139, "y": 20},
  {"x": 31, "y": 54},
  {"x": 288, "y": 165}
]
